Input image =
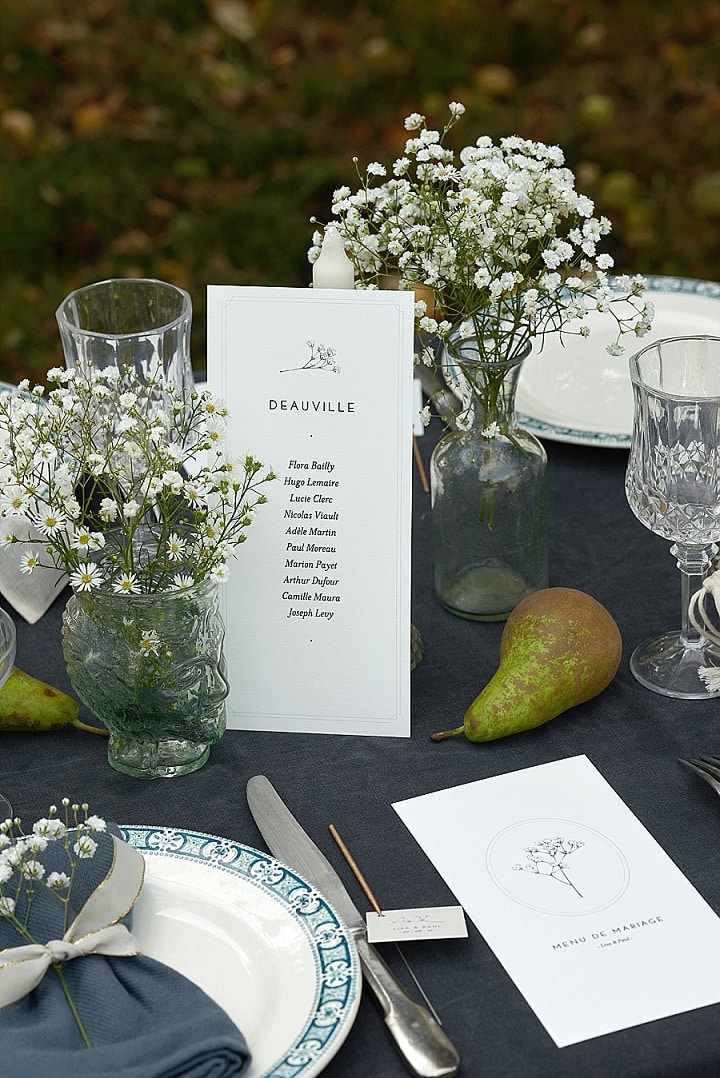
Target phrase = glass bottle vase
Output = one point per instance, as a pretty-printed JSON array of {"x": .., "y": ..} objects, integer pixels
[
  {"x": 489, "y": 495},
  {"x": 152, "y": 669}
]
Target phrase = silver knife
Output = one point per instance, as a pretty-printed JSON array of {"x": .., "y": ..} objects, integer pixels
[{"x": 421, "y": 1041}]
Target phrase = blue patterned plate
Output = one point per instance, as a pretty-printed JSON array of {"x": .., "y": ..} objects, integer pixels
[
  {"x": 576, "y": 392},
  {"x": 257, "y": 938}
]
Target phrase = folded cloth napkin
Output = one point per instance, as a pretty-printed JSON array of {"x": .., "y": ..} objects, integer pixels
[
  {"x": 143, "y": 1019},
  {"x": 30, "y": 595}
]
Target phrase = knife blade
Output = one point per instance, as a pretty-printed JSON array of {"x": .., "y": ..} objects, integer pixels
[{"x": 423, "y": 1044}]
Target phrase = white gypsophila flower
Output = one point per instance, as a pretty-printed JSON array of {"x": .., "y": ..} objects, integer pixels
[
  {"x": 58, "y": 881},
  {"x": 108, "y": 510},
  {"x": 32, "y": 870},
  {"x": 220, "y": 573},
  {"x": 96, "y": 823},
  {"x": 85, "y": 846},
  {"x": 7, "y": 906},
  {"x": 50, "y": 828}
]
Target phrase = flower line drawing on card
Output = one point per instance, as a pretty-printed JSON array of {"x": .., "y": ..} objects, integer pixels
[
  {"x": 548, "y": 858},
  {"x": 321, "y": 358}
]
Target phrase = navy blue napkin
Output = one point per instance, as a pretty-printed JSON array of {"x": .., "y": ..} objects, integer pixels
[{"x": 143, "y": 1019}]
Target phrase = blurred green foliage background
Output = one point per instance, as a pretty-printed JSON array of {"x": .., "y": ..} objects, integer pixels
[{"x": 192, "y": 140}]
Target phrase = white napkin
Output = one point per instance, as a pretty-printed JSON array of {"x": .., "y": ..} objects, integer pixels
[{"x": 29, "y": 593}]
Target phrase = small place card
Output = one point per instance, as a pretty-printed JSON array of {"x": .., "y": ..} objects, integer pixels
[
  {"x": 319, "y": 385},
  {"x": 597, "y": 927},
  {"x": 432, "y": 923}
]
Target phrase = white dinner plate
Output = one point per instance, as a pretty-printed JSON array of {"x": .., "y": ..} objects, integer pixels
[
  {"x": 257, "y": 938},
  {"x": 576, "y": 392}
]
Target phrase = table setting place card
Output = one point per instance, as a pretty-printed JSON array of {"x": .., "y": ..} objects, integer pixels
[
  {"x": 595, "y": 924},
  {"x": 319, "y": 386}
]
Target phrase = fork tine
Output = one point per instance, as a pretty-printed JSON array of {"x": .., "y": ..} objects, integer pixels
[
  {"x": 706, "y": 771},
  {"x": 713, "y": 764}
]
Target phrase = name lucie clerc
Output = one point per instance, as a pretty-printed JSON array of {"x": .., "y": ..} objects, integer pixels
[{"x": 310, "y": 406}]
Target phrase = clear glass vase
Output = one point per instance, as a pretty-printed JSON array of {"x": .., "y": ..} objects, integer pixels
[
  {"x": 152, "y": 669},
  {"x": 489, "y": 493}
]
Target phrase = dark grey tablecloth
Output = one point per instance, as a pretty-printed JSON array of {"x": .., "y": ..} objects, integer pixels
[{"x": 632, "y": 735}]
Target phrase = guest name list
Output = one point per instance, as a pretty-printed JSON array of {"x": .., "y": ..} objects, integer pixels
[{"x": 311, "y": 579}]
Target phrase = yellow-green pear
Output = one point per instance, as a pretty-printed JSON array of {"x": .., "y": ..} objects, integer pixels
[
  {"x": 30, "y": 705},
  {"x": 559, "y": 648}
]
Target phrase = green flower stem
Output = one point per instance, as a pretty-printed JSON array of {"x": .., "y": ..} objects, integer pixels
[{"x": 57, "y": 966}]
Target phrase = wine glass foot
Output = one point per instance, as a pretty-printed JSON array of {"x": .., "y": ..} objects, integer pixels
[{"x": 668, "y": 665}]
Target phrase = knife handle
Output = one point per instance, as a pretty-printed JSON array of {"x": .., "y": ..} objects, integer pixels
[{"x": 422, "y": 1042}]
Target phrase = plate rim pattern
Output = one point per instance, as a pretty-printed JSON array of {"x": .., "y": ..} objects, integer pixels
[
  {"x": 657, "y": 284},
  {"x": 337, "y": 968}
]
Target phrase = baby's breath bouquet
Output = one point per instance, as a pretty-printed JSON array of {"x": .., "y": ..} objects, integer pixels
[
  {"x": 29, "y": 893},
  {"x": 121, "y": 481},
  {"x": 499, "y": 249},
  {"x": 124, "y": 481},
  {"x": 497, "y": 243}
]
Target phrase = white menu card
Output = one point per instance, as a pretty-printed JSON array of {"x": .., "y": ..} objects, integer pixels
[
  {"x": 319, "y": 384},
  {"x": 595, "y": 924}
]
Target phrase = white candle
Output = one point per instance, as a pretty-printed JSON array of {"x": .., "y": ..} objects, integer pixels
[{"x": 333, "y": 268}]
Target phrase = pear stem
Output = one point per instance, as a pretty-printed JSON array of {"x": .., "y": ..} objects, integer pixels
[
  {"x": 447, "y": 733},
  {"x": 78, "y": 724}
]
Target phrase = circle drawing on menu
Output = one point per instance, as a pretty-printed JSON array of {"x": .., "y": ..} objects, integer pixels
[{"x": 557, "y": 867}]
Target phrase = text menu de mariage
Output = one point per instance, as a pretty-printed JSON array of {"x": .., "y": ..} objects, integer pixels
[{"x": 319, "y": 385}]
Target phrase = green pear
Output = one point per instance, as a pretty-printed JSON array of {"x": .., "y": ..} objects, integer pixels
[
  {"x": 559, "y": 648},
  {"x": 30, "y": 705}
]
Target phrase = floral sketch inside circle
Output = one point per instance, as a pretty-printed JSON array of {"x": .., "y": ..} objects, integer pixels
[
  {"x": 557, "y": 866},
  {"x": 549, "y": 858}
]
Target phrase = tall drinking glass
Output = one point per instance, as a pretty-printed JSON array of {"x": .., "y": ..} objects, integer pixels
[
  {"x": 129, "y": 323},
  {"x": 7, "y": 658},
  {"x": 673, "y": 487}
]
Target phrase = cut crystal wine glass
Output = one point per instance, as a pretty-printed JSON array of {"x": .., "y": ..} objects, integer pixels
[{"x": 673, "y": 487}]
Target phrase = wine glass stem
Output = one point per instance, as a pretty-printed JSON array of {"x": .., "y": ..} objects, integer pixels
[{"x": 693, "y": 563}]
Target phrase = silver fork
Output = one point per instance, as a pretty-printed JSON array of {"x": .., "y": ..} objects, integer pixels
[{"x": 708, "y": 767}]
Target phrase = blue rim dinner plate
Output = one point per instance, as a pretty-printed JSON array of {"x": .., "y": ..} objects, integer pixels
[
  {"x": 257, "y": 938},
  {"x": 572, "y": 390}
]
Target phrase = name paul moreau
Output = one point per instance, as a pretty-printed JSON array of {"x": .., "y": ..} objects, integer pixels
[{"x": 311, "y": 561}]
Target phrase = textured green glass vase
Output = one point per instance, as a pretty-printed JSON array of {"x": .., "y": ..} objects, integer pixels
[{"x": 152, "y": 669}]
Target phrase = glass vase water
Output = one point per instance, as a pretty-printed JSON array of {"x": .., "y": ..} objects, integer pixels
[
  {"x": 673, "y": 487},
  {"x": 152, "y": 668},
  {"x": 489, "y": 495}
]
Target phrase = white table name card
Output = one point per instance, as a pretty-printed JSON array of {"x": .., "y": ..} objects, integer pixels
[
  {"x": 597, "y": 927},
  {"x": 319, "y": 385}
]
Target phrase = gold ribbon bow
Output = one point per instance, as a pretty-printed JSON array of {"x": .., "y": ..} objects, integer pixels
[{"x": 95, "y": 930}]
